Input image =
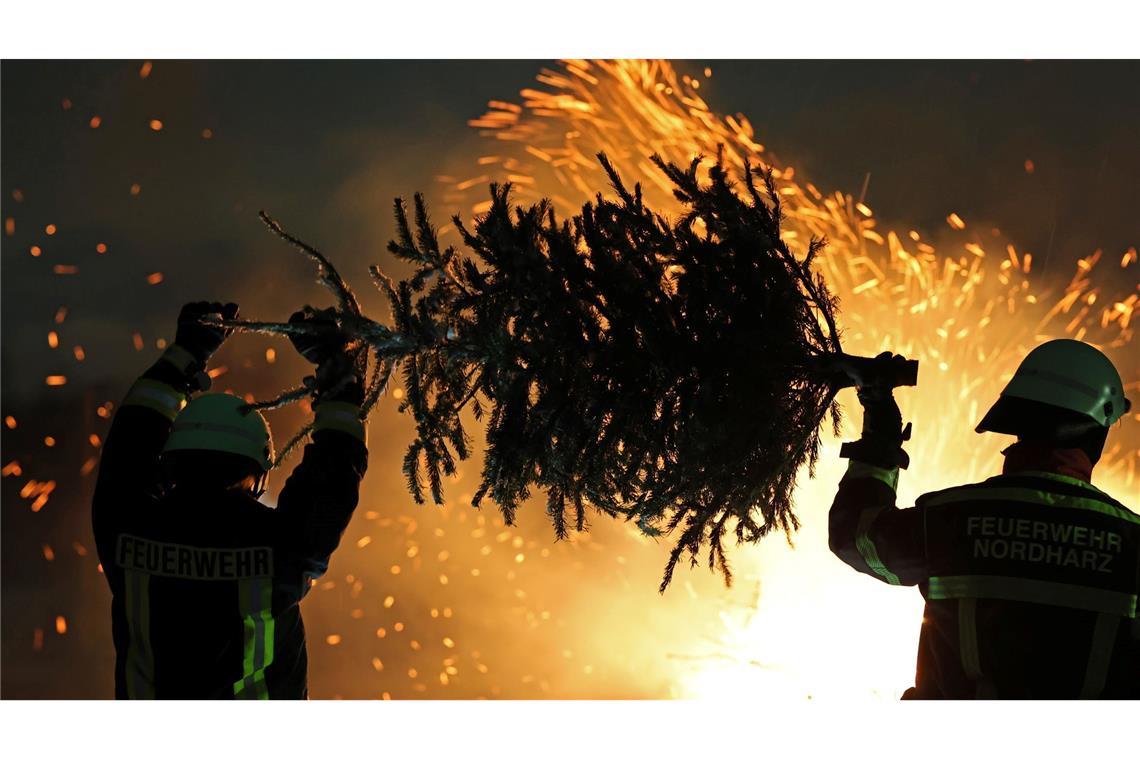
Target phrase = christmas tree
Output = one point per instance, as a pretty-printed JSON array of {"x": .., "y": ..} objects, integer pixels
[{"x": 672, "y": 372}]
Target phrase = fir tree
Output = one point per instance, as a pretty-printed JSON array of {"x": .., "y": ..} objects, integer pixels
[{"x": 671, "y": 372}]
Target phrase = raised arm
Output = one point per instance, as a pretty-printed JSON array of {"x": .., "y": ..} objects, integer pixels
[
  {"x": 865, "y": 527},
  {"x": 129, "y": 469},
  {"x": 321, "y": 494}
]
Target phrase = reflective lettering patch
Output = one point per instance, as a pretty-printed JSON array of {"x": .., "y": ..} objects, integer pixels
[
  {"x": 193, "y": 562},
  {"x": 1049, "y": 542}
]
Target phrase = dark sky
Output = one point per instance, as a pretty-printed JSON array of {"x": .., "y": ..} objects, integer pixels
[{"x": 326, "y": 145}]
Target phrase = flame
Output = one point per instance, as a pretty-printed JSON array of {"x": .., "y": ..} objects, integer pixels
[
  {"x": 498, "y": 611},
  {"x": 962, "y": 300}
]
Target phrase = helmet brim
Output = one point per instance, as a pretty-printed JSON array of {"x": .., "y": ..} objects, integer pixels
[{"x": 1025, "y": 418}]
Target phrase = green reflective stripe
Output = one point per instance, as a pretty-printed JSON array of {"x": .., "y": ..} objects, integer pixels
[
  {"x": 1100, "y": 654},
  {"x": 256, "y": 600},
  {"x": 867, "y": 548},
  {"x": 1035, "y": 591},
  {"x": 857, "y": 469},
  {"x": 1032, "y": 496},
  {"x": 140, "y": 657},
  {"x": 179, "y": 358},
  {"x": 1063, "y": 479},
  {"x": 160, "y": 397},
  {"x": 338, "y": 415},
  {"x": 968, "y": 638}
]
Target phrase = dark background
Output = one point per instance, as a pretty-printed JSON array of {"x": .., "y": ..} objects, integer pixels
[{"x": 326, "y": 145}]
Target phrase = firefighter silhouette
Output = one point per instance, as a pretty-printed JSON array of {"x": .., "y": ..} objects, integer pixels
[
  {"x": 1031, "y": 576},
  {"x": 206, "y": 580}
]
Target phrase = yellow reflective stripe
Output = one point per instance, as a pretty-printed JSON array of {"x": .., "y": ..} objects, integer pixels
[
  {"x": 179, "y": 358},
  {"x": 1100, "y": 654},
  {"x": 342, "y": 416},
  {"x": 968, "y": 638},
  {"x": 160, "y": 397},
  {"x": 867, "y": 548},
  {"x": 857, "y": 469},
  {"x": 140, "y": 657},
  {"x": 1031, "y": 496},
  {"x": 1061, "y": 479},
  {"x": 1031, "y": 590},
  {"x": 256, "y": 601}
]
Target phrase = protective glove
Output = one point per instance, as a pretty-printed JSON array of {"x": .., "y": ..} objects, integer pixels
[
  {"x": 883, "y": 431},
  {"x": 340, "y": 364},
  {"x": 317, "y": 348},
  {"x": 202, "y": 340}
]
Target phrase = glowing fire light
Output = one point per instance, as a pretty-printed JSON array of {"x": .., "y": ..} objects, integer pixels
[
  {"x": 966, "y": 306},
  {"x": 967, "y": 314}
]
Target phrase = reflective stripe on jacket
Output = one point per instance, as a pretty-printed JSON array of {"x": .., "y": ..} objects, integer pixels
[
  {"x": 206, "y": 585},
  {"x": 1030, "y": 580}
]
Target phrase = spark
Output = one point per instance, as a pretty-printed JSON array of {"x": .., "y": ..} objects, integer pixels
[
  {"x": 938, "y": 296},
  {"x": 897, "y": 296}
]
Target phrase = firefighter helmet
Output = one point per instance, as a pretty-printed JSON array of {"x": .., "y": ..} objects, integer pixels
[
  {"x": 1061, "y": 374},
  {"x": 219, "y": 422}
]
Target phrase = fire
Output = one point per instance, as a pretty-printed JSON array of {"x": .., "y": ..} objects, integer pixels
[
  {"x": 498, "y": 611},
  {"x": 962, "y": 300}
]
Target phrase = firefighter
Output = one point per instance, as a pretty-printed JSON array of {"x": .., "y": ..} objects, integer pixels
[
  {"x": 1030, "y": 577},
  {"x": 206, "y": 580}
]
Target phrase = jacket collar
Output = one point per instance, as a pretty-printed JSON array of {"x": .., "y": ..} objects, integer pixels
[{"x": 1025, "y": 456}]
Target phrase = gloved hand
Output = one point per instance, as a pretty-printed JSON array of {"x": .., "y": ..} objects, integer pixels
[
  {"x": 202, "y": 340},
  {"x": 883, "y": 431},
  {"x": 340, "y": 364}
]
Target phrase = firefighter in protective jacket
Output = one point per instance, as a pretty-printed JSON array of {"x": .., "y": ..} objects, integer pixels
[
  {"x": 1031, "y": 576},
  {"x": 206, "y": 581}
]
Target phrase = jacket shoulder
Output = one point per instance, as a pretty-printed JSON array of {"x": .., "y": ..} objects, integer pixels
[
  {"x": 953, "y": 493},
  {"x": 1050, "y": 487}
]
